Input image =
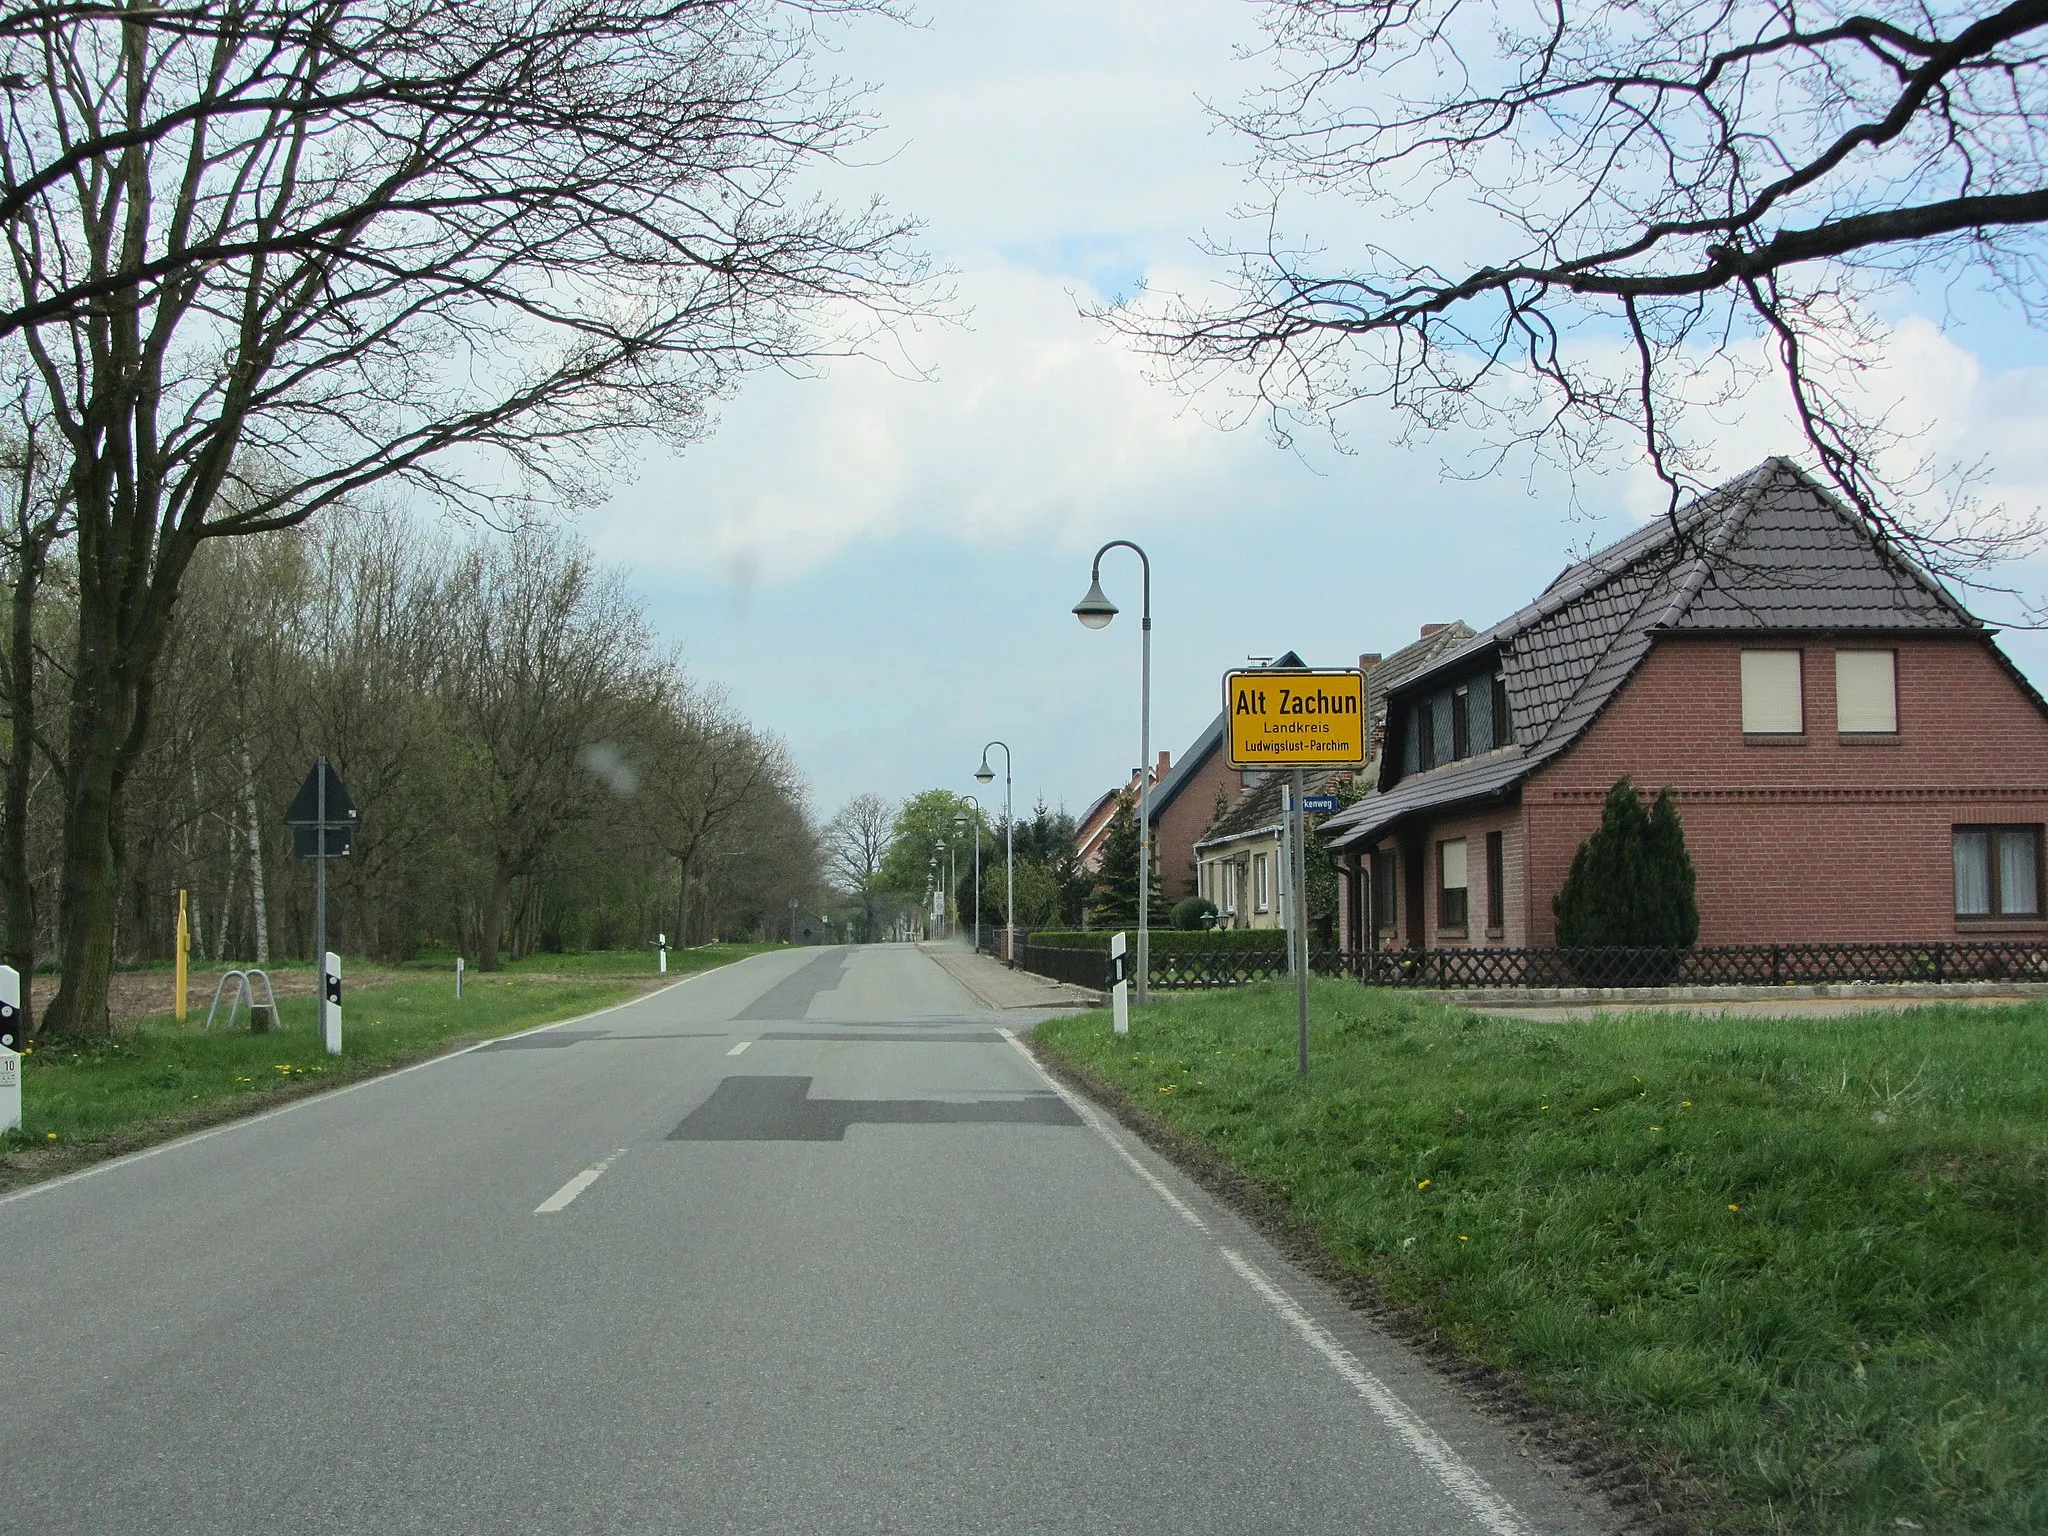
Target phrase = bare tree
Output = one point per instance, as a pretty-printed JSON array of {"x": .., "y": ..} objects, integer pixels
[
  {"x": 856, "y": 842},
  {"x": 265, "y": 258},
  {"x": 1606, "y": 202},
  {"x": 550, "y": 660},
  {"x": 36, "y": 523}
]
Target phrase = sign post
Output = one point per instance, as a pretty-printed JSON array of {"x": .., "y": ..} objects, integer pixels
[
  {"x": 1298, "y": 720},
  {"x": 10, "y": 1048},
  {"x": 1119, "y": 985},
  {"x": 323, "y": 819},
  {"x": 661, "y": 953},
  {"x": 458, "y": 978}
]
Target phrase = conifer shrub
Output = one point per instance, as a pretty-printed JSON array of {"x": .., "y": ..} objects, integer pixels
[{"x": 1631, "y": 886}]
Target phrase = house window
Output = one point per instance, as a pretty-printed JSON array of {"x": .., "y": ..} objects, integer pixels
[
  {"x": 1383, "y": 891},
  {"x": 1262, "y": 890},
  {"x": 1450, "y": 871},
  {"x": 1772, "y": 701},
  {"x": 1998, "y": 871},
  {"x": 1496, "y": 881},
  {"x": 1866, "y": 692},
  {"x": 1503, "y": 720},
  {"x": 1425, "y": 734},
  {"x": 1461, "y": 724}
]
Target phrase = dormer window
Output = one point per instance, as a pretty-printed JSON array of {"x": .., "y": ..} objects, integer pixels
[
  {"x": 1425, "y": 734},
  {"x": 1503, "y": 719},
  {"x": 1461, "y": 723}
]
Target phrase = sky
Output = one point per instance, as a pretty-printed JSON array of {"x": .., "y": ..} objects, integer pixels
[{"x": 880, "y": 567}]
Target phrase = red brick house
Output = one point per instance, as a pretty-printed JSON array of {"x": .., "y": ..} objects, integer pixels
[
  {"x": 1183, "y": 803},
  {"x": 1852, "y": 756}
]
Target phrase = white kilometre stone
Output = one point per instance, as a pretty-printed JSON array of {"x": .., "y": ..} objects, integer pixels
[{"x": 10, "y": 1089}]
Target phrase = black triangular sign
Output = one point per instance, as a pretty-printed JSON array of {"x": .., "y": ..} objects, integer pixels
[{"x": 305, "y": 808}]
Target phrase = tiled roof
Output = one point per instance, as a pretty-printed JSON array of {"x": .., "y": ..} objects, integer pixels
[
  {"x": 1770, "y": 550},
  {"x": 1168, "y": 789},
  {"x": 1258, "y": 808}
]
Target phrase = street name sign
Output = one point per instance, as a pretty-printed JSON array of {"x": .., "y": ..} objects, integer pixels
[
  {"x": 1305, "y": 719},
  {"x": 1319, "y": 805}
]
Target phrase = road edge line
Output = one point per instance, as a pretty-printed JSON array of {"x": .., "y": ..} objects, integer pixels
[
  {"x": 1458, "y": 1476},
  {"x": 194, "y": 1137}
]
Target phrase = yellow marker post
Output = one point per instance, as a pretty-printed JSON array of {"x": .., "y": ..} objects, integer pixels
[{"x": 184, "y": 949}]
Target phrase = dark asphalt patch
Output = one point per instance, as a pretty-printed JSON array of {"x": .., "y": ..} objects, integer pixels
[
  {"x": 549, "y": 1040},
  {"x": 927, "y": 1038},
  {"x": 791, "y": 997},
  {"x": 555, "y": 1040},
  {"x": 782, "y": 1109}
]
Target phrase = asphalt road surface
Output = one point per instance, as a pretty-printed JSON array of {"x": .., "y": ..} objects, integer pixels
[{"x": 804, "y": 1244}]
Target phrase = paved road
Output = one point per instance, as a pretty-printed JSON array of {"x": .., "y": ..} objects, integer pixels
[{"x": 849, "y": 1265}]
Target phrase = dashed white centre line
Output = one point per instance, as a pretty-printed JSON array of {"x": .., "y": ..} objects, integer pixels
[
  {"x": 564, "y": 1196},
  {"x": 738, "y": 1048}
]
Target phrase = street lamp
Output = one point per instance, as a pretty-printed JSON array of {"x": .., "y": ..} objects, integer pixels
[
  {"x": 952, "y": 853},
  {"x": 1095, "y": 611},
  {"x": 986, "y": 775},
  {"x": 961, "y": 821}
]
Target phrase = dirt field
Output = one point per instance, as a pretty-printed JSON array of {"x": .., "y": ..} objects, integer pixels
[{"x": 133, "y": 995}]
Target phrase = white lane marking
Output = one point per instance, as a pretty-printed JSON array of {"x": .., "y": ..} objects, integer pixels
[
  {"x": 738, "y": 1048},
  {"x": 1094, "y": 1122},
  {"x": 567, "y": 1194},
  {"x": 1494, "y": 1513},
  {"x": 334, "y": 1093},
  {"x": 1452, "y": 1470}
]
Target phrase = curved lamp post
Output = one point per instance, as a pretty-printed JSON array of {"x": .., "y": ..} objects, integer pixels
[
  {"x": 1096, "y": 610},
  {"x": 986, "y": 775},
  {"x": 961, "y": 821}
]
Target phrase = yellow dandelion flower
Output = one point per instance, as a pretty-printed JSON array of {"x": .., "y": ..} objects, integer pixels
[
  {"x": 1656, "y": 1127},
  {"x": 1734, "y": 1207},
  {"x": 1463, "y": 1238},
  {"x": 1422, "y": 1183}
]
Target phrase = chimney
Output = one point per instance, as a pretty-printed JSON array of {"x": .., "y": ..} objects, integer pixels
[
  {"x": 1368, "y": 660},
  {"x": 1432, "y": 629},
  {"x": 1165, "y": 762}
]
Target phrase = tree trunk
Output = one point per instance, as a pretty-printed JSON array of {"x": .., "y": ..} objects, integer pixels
[
  {"x": 86, "y": 889},
  {"x": 254, "y": 832},
  {"x": 17, "y": 890},
  {"x": 494, "y": 922}
]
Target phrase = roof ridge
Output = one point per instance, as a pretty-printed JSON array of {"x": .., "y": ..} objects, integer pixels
[{"x": 1716, "y": 546}]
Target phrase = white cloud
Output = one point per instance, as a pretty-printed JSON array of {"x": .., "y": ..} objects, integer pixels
[{"x": 1037, "y": 425}]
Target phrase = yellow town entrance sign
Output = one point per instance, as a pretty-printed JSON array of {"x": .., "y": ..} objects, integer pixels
[{"x": 1295, "y": 719}]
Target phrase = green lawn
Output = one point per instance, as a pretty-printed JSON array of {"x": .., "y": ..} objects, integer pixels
[
  {"x": 601, "y": 962},
  {"x": 161, "y": 1078},
  {"x": 1803, "y": 1262}
]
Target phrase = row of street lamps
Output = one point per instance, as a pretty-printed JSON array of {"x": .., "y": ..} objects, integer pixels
[{"x": 1095, "y": 611}]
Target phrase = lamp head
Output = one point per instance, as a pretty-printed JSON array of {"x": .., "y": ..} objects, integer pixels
[
  {"x": 985, "y": 774},
  {"x": 1095, "y": 610}
]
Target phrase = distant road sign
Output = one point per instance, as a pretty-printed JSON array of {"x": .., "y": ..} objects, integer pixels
[
  {"x": 1307, "y": 719},
  {"x": 306, "y": 804},
  {"x": 1319, "y": 805}
]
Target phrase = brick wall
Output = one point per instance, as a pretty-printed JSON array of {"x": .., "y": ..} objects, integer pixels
[
  {"x": 1178, "y": 827},
  {"x": 1814, "y": 838}
]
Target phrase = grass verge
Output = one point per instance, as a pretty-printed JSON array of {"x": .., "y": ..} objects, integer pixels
[
  {"x": 633, "y": 963},
  {"x": 162, "y": 1079},
  {"x": 1799, "y": 1266}
]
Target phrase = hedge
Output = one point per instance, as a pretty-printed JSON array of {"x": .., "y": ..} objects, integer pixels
[{"x": 1166, "y": 941}]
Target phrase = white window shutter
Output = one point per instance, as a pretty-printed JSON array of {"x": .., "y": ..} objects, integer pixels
[
  {"x": 1866, "y": 698},
  {"x": 1771, "y": 700}
]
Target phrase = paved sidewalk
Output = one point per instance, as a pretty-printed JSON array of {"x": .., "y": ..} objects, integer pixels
[{"x": 995, "y": 985}]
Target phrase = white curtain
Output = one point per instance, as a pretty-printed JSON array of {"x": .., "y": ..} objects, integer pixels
[
  {"x": 2017, "y": 887},
  {"x": 1973, "y": 874}
]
